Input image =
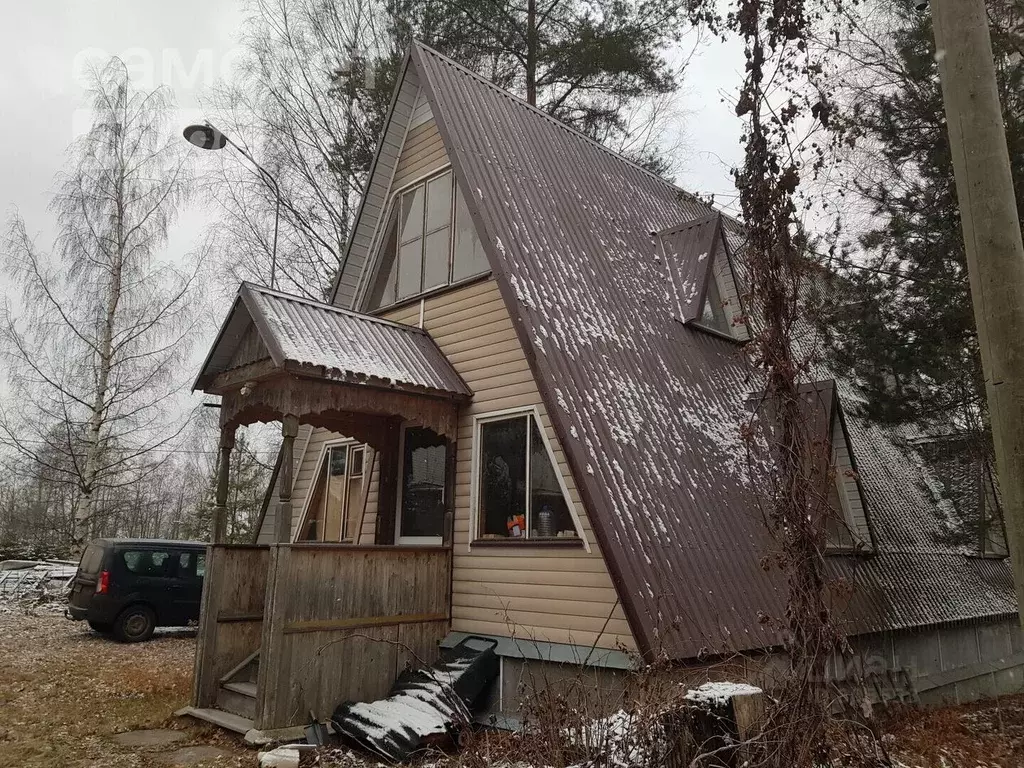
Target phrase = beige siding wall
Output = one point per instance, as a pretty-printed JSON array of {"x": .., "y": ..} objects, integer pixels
[
  {"x": 423, "y": 153},
  {"x": 559, "y": 595}
]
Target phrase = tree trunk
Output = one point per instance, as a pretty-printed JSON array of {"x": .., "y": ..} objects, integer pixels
[
  {"x": 84, "y": 520},
  {"x": 531, "y": 52}
]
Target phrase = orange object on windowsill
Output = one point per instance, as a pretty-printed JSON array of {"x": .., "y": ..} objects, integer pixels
[{"x": 516, "y": 526}]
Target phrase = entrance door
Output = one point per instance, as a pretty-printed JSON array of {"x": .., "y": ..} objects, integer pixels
[{"x": 422, "y": 491}]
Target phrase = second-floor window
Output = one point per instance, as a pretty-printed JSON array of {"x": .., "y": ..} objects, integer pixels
[{"x": 429, "y": 242}]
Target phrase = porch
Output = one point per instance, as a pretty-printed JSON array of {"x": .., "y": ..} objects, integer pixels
[
  {"x": 296, "y": 627},
  {"x": 289, "y": 629}
]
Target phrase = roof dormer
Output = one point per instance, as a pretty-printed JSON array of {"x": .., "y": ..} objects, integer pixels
[{"x": 703, "y": 277}]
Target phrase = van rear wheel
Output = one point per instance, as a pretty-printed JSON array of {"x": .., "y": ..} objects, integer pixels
[
  {"x": 135, "y": 624},
  {"x": 101, "y": 627}
]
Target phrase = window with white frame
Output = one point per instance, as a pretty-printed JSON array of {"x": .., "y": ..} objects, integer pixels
[
  {"x": 333, "y": 502},
  {"x": 422, "y": 493},
  {"x": 518, "y": 493},
  {"x": 429, "y": 241}
]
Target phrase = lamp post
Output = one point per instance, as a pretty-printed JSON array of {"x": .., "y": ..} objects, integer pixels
[{"x": 206, "y": 136}]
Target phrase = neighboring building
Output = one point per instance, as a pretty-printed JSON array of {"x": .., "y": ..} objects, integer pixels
[{"x": 530, "y": 380}]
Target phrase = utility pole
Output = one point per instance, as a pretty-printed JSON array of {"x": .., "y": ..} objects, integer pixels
[{"x": 992, "y": 239}]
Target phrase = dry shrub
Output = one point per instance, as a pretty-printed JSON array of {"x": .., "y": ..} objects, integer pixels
[{"x": 581, "y": 717}]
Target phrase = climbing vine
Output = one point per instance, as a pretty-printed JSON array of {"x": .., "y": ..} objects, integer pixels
[{"x": 787, "y": 136}]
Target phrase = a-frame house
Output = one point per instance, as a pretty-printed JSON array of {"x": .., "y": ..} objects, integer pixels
[{"x": 518, "y": 416}]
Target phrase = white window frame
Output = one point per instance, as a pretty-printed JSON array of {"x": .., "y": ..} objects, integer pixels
[
  {"x": 324, "y": 449},
  {"x": 370, "y": 271},
  {"x": 415, "y": 541},
  {"x": 474, "y": 476}
]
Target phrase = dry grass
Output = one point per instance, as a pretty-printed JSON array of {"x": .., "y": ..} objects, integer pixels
[
  {"x": 64, "y": 691},
  {"x": 980, "y": 735}
]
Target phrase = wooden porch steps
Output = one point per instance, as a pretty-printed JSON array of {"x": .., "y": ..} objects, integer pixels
[
  {"x": 246, "y": 670},
  {"x": 238, "y": 698},
  {"x": 228, "y": 720}
]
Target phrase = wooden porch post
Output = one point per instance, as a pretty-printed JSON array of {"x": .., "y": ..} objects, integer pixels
[
  {"x": 448, "y": 533},
  {"x": 220, "y": 512},
  {"x": 289, "y": 431}
]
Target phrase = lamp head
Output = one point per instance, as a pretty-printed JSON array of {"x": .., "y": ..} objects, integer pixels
[{"x": 205, "y": 137}]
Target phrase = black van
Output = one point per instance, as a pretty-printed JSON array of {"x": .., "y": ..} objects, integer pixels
[{"x": 129, "y": 587}]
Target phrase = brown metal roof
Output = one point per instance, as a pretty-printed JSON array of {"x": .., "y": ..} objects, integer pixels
[
  {"x": 648, "y": 409},
  {"x": 323, "y": 340}
]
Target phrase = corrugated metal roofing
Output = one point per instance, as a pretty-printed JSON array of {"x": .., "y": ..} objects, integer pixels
[
  {"x": 648, "y": 409},
  {"x": 325, "y": 340}
]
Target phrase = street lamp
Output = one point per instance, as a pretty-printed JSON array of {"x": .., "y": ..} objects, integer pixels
[{"x": 206, "y": 136}]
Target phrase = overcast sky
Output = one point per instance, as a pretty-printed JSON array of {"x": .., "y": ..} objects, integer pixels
[
  {"x": 186, "y": 44},
  {"x": 45, "y": 46}
]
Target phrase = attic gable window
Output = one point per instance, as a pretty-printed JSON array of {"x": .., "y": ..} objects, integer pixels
[
  {"x": 429, "y": 241},
  {"x": 702, "y": 277},
  {"x": 846, "y": 526},
  {"x": 832, "y": 460},
  {"x": 959, "y": 478}
]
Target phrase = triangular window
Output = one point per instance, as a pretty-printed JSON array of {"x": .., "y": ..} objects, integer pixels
[
  {"x": 713, "y": 315},
  {"x": 429, "y": 241}
]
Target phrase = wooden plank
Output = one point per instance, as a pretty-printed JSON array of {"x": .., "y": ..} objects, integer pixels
[
  {"x": 334, "y": 625},
  {"x": 272, "y": 659},
  {"x": 419, "y": 644},
  {"x": 228, "y": 617},
  {"x": 204, "y": 684},
  {"x": 969, "y": 672},
  {"x": 340, "y": 612}
]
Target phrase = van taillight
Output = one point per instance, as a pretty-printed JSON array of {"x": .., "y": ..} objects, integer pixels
[{"x": 103, "y": 585}]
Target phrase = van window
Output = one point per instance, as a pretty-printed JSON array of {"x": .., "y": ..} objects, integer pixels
[
  {"x": 192, "y": 564},
  {"x": 146, "y": 563},
  {"x": 92, "y": 559}
]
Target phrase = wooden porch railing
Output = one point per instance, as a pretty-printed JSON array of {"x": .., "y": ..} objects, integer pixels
[
  {"x": 342, "y": 621},
  {"x": 230, "y": 624}
]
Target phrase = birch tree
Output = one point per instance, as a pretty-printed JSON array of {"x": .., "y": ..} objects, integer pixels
[{"x": 94, "y": 352}]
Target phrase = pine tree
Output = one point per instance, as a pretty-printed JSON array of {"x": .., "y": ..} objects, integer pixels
[
  {"x": 586, "y": 63},
  {"x": 904, "y": 324}
]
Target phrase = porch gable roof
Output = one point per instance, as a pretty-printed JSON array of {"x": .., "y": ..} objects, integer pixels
[{"x": 317, "y": 340}]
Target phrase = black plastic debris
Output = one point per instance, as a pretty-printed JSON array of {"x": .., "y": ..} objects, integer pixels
[{"x": 426, "y": 708}]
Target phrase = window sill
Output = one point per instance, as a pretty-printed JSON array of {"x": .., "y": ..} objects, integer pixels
[
  {"x": 381, "y": 311},
  {"x": 557, "y": 543},
  {"x": 699, "y": 326}
]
